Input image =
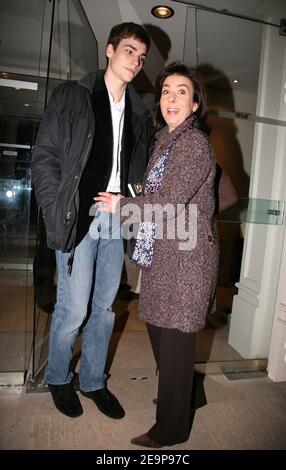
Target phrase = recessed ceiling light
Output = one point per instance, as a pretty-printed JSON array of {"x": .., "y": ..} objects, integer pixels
[
  {"x": 9, "y": 194},
  {"x": 235, "y": 81},
  {"x": 162, "y": 12},
  {"x": 27, "y": 105}
]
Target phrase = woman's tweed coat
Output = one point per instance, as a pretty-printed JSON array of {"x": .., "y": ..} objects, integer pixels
[{"x": 178, "y": 289}]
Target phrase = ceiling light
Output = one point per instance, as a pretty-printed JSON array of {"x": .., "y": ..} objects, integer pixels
[
  {"x": 9, "y": 194},
  {"x": 235, "y": 81},
  {"x": 27, "y": 105},
  {"x": 162, "y": 12}
]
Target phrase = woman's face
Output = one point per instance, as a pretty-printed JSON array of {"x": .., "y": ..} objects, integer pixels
[{"x": 176, "y": 100}]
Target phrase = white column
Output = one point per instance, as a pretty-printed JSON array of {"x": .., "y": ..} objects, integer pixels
[
  {"x": 277, "y": 352},
  {"x": 253, "y": 307}
]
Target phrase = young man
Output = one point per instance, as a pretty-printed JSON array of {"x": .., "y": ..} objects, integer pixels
[{"x": 94, "y": 136}]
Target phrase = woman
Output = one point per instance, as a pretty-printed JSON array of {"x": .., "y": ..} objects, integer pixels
[{"x": 178, "y": 284}]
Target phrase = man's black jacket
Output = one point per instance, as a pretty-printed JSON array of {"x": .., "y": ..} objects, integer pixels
[{"x": 62, "y": 149}]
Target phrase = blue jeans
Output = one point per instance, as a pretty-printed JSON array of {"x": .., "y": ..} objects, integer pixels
[{"x": 74, "y": 292}]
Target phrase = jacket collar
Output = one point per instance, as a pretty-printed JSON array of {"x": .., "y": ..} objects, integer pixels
[
  {"x": 167, "y": 137},
  {"x": 95, "y": 80}
]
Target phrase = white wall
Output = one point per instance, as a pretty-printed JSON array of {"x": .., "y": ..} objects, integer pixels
[{"x": 253, "y": 307}]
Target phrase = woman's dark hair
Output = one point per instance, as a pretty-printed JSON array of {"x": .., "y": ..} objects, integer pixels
[
  {"x": 128, "y": 30},
  {"x": 178, "y": 68}
]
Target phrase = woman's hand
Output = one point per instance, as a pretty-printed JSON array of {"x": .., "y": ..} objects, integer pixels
[{"x": 108, "y": 201}]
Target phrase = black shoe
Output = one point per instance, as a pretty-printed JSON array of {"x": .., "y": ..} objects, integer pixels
[
  {"x": 106, "y": 402},
  {"x": 128, "y": 295},
  {"x": 66, "y": 399}
]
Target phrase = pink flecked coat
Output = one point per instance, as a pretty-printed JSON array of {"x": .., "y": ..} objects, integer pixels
[{"x": 178, "y": 289}]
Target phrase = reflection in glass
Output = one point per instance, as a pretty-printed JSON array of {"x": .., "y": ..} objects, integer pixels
[{"x": 25, "y": 262}]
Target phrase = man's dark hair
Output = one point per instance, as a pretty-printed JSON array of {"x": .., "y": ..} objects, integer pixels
[
  {"x": 200, "y": 97},
  {"x": 128, "y": 30}
]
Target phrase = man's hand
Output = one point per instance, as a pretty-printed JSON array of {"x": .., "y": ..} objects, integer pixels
[{"x": 108, "y": 201}]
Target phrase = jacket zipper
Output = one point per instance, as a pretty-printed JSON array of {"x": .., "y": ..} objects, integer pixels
[{"x": 68, "y": 214}]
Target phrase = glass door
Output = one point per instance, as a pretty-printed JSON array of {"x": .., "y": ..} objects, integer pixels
[
  {"x": 19, "y": 119},
  {"x": 43, "y": 42},
  {"x": 234, "y": 57},
  {"x": 72, "y": 53}
]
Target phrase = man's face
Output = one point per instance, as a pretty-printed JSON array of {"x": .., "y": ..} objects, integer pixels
[{"x": 127, "y": 60}]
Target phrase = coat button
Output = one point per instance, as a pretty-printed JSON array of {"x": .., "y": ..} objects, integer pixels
[
  {"x": 76, "y": 177},
  {"x": 210, "y": 238}
]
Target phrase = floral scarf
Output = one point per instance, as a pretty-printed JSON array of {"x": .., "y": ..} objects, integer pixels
[{"x": 145, "y": 242}]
